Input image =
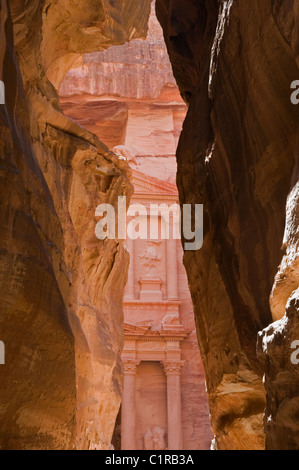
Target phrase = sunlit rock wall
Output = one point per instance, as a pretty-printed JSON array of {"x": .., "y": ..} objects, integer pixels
[{"x": 61, "y": 288}]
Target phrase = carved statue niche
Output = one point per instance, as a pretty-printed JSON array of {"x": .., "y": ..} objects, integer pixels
[
  {"x": 151, "y": 257},
  {"x": 159, "y": 438},
  {"x": 154, "y": 439},
  {"x": 148, "y": 440}
]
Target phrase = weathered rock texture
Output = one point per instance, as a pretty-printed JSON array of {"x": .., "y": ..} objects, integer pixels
[
  {"x": 278, "y": 345},
  {"x": 234, "y": 62},
  {"x": 127, "y": 96},
  {"x": 138, "y": 69},
  {"x": 61, "y": 288}
]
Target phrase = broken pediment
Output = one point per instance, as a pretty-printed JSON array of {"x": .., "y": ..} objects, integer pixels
[{"x": 145, "y": 184}]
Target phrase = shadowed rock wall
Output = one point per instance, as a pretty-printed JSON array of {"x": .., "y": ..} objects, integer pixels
[{"x": 234, "y": 62}]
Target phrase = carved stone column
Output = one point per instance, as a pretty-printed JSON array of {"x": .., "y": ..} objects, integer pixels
[
  {"x": 128, "y": 412},
  {"x": 174, "y": 404},
  {"x": 130, "y": 289},
  {"x": 172, "y": 269}
]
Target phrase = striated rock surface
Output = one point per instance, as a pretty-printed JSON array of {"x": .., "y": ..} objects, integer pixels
[
  {"x": 234, "y": 63},
  {"x": 138, "y": 69},
  {"x": 278, "y": 345},
  {"x": 61, "y": 288}
]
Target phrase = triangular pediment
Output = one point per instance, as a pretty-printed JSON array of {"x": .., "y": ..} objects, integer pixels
[{"x": 135, "y": 330}]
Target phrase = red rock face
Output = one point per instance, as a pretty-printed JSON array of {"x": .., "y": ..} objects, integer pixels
[
  {"x": 139, "y": 69},
  {"x": 236, "y": 156},
  {"x": 127, "y": 96}
]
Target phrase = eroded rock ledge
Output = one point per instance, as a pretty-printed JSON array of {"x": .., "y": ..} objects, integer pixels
[
  {"x": 61, "y": 289},
  {"x": 234, "y": 63}
]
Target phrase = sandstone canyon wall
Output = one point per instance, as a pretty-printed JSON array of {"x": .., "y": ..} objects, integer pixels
[
  {"x": 234, "y": 62},
  {"x": 61, "y": 288}
]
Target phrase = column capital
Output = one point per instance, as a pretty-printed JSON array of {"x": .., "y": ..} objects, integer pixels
[
  {"x": 173, "y": 367},
  {"x": 130, "y": 366}
]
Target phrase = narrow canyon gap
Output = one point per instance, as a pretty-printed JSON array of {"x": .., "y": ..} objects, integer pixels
[
  {"x": 127, "y": 95},
  {"x": 62, "y": 289}
]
